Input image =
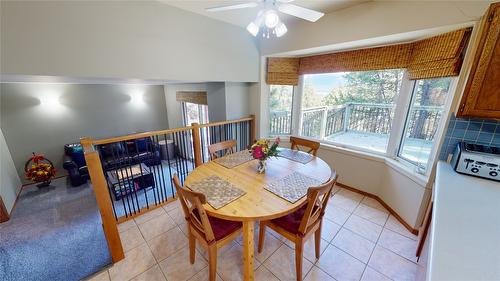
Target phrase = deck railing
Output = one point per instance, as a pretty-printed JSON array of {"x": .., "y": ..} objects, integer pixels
[
  {"x": 132, "y": 174},
  {"x": 323, "y": 122}
]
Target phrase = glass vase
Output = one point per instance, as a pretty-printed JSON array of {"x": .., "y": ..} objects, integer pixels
[{"x": 261, "y": 166}]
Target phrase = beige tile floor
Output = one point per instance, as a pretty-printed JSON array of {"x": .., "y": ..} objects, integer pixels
[{"x": 360, "y": 241}]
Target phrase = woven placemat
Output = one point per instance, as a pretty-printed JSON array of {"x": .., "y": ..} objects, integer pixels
[
  {"x": 295, "y": 155},
  {"x": 292, "y": 187},
  {"x": 218, "y": 191},
  {"x": 234, "y": 159}
]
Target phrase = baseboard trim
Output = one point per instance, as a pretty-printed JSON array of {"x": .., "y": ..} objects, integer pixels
[
  {"x": 4, "y": 215},
  {"x": 391, "y": 211}
]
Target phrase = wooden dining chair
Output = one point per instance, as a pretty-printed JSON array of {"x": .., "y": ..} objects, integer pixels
[
  {"x": 301, "y": 224},
  {"x": 212, "y": 233},
  {"x": 298, "y": 143},
  {"x": 227, "y": 147}
]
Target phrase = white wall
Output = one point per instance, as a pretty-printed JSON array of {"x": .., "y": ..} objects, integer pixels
[
  {"x": 10, "y": 183},
  {"x": 122, "y": 39},
  {"x": 237, "y": 100},
  {"x": 216, "y": 97},
  {"x": 371, "y": 20}
]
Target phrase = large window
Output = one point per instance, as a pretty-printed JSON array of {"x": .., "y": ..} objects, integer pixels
[
  {"x": 280, "y": 115},
  {"x": 371, "y": 111},
  {"x": 351, "y": 108},
  {"x": 426, "y": 108}
]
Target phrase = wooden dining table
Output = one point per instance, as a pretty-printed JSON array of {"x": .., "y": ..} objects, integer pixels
[{"x": 258, "y": 203}]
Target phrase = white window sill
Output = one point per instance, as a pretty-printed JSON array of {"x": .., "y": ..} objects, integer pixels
[{"x": 399, "y": 165}]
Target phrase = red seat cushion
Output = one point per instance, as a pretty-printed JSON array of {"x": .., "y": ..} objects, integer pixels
[
  {"x": 291, "y": 222},
  {"x": 220, "y": 227}
]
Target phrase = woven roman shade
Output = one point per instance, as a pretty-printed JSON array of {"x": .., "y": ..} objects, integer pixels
[
  {"x": 438, "y": 56},
  {"x": 192, "y": 97},
  {"x": 388, "y": 57},
  {"x": 282, "y": 71}
]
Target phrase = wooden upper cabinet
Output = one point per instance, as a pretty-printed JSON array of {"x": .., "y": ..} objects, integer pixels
[{"x": 481, "y": 96}]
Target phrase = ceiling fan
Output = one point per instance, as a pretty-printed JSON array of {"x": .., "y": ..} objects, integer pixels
[{"x": 268, "y": 17}]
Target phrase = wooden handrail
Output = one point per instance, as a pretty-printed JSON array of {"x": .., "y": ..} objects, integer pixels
[
  {"x": 252, "y": 117},
  {"x": 140, "y": 135},
  {"x": 167, "y": 131}
]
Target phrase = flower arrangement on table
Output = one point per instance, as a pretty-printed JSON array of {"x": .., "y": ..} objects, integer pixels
[
  {"x": 39, "y": 169},
  {"x": 262, "y": 150}
]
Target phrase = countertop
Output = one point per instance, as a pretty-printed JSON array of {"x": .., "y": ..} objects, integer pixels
[{"x": 465, "y": 231}]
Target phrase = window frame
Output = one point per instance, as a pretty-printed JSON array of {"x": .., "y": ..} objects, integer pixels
[
  {"x": 402, "y": 108},
  {"x": 292, "y": 117}
]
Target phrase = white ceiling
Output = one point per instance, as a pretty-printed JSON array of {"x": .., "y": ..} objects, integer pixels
[{"x": 242, "y": 17}]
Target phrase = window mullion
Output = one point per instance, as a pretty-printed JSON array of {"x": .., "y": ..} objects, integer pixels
[
  {"x": 400, "y": 116},
  {"x": 297, "y": 107}
]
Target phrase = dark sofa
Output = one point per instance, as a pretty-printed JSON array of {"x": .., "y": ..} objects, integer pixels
[
  {"x": 74, "y": 163},
  {"x": 120, "y": 154}
]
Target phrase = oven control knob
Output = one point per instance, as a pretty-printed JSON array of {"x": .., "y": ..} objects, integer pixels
[
  {"x": 474, "y": 170},
  {"x": 493, "y": 173}
]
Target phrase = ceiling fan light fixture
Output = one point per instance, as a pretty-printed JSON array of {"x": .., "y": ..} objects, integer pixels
[
  {"x": 280, "y": 30},
  {"x": 271, "y": 19},
  {"x": 253, "y": 28}
]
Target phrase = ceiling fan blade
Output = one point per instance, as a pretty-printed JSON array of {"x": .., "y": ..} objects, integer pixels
[
  {"x": 300, "y": 12},
  {"x": 232, "y": 7},
  {"x": 285, "y": 1}
]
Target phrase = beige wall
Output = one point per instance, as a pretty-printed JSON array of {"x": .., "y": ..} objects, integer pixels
[{"x": 122, "y": 39}]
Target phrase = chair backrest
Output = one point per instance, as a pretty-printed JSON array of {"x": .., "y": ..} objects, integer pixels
[
  {"x": 317, "y": 200},
  {"x": 228, "y": 146},
  {"x": 297, "y": 143},
  {"x": 192, "y": 205}
]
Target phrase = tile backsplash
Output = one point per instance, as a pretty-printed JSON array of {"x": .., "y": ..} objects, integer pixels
[{"x": 471, "y": 130}]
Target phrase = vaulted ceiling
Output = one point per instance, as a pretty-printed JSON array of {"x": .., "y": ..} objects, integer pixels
[{"x": 242, "y": 17}]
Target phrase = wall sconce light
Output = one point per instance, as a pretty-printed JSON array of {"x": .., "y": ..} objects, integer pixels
[{"x": 137, "y": 98}]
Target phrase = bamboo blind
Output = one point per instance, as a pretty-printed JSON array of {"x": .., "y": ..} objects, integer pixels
[
  {"x": 192, "y": 97},
  {"x": 438, "y": 56},
  {"x": 282, "y": 71},
  {"x": 388, "y": 57}
]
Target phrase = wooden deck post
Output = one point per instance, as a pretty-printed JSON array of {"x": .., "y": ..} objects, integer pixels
[
  {"x": 103, "y": 200},
  {"x": 252, "y": 129},
  {"x": 196, "y": 144}
]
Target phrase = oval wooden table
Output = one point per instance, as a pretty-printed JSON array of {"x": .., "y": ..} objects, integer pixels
[{"x": 257, "y": 204}]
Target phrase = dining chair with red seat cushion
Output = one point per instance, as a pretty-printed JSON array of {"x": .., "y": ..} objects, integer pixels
[
  {"x": 299, "y": 225},
  {"x": 212, "y": 233}
]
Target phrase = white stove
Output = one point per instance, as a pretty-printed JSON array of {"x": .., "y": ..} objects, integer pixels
[{"x": 477, "y": 160}]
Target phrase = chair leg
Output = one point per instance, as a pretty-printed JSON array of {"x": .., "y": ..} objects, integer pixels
[
  {"x": 212, "y": 261},
  {"x": 299, "y": 245},
  {"x": 192, "y": 247},
  {"x": 262, "y": 236},
  {"x": 317, "y": 241}
]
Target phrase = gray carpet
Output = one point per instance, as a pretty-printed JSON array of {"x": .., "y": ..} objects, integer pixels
[{"x": 54, "y": 233}]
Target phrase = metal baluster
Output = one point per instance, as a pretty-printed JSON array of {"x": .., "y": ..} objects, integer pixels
[
  {"x": 154, "y": 170},
  {"x": 176, "y": 142},
  {"x": 130, "y": 179},
  {"x": 157, "y": 169},
  {"x": 180, "y": 170},
  {"x": 142, "y": 177},
  {"x": 120, "y": 186},
  {"x": 169, "y": 167}
]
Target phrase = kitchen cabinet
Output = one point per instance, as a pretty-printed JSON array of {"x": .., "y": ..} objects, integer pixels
[{"x": 481, "y": 96}]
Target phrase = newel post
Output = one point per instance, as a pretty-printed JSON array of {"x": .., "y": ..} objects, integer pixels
[
  {"x": 103, "y": 200},
  {"x": 196, "y": 144},
  {"x": 252, "y": 129}
]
